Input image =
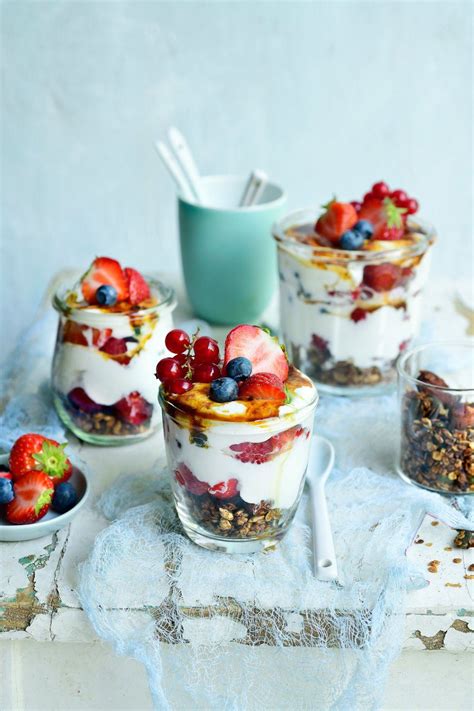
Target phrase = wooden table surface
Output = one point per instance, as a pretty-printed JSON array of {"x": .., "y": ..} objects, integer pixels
[{"x": 37, "y": 598}]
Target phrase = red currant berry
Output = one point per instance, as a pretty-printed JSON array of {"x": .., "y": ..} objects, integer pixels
[
  {"x": 168, "y": 369},
  {"x": 412, "y": 206},
  {"x": 177, "y": 386},
  {"x": 399, "y": 197},
  {"x": 368, "y": 196},
  {"x": 177, "y": 340},
  {"x": 181, "y": 358},
  {"x": 380, "y": 190},
  {"x": 356, "y": 205},
  {"x": 206, "y": 372},
  {"x": 206, "y": 350}
]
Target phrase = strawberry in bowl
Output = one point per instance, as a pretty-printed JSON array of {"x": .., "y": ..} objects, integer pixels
[
  {"x": 351, "y": 282},
  {"x": 112, "y": 325},
  {"x": 237, "y": 422},
  {"x": 40, "y": 489}
]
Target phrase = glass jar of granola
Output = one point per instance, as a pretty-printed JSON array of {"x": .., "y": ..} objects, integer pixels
[
  {"x": 436, "y": 392},
  {"x": 103, "y": 385},
  {"x": 347, "y": 314}
]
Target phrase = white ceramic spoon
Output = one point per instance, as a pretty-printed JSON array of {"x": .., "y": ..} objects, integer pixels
[{"x": 321, "y": 462}]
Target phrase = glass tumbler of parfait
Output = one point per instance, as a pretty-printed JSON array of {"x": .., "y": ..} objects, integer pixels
[
  {"x": 436, "y": 394},
  {"x": 351, "y": 283},
  {"x": 237, "y": 443},
  {"x": 112, "y": 326}
]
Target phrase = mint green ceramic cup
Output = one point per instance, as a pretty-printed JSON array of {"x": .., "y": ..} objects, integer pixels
[{"x": 228, "y": 255}]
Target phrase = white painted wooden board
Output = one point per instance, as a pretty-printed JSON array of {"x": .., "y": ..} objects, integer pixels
[{"x": 37, "y": 599}]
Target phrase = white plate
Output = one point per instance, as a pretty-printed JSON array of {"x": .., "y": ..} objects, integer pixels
[{"x": 52, "y": 521}]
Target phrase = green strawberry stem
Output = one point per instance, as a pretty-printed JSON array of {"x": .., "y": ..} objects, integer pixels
[
  {"x": 393, "y": 213},
  {"x": 329, "y": 203},
  {"x": 43, "y": 499},
  {"x": 52, "y": 459}
]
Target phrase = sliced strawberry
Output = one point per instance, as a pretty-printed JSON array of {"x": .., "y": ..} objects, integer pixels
[
  {"x": 262, "y": 386},
  {"x": 134, "y": 409},
  {"x": 80, "y": 399},
  {"x": 225, "y": 489},
  {"x": 186, "y": 478},
  {"x": 338, "y": 218},
  {"x": 73, "y": 332},
  {"x": 114, "y": 346},
  {"x": 33, "y": 494},
  {"x": 100, "y": 336},
  {"x": 382, "y": 277},
  {"x": 138, "y": 288},
  {"x": 261, "y": 349},
  {"x": 387, "y": 219},
  {"x": 261, "y": 452},
  {"x": 104, "y": 270}
]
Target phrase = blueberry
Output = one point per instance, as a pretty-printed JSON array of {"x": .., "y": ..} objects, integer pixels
[
  {"x": 6, "y": 491},
  {"x": 106, "y": 295},
  {"x": 365, "y": 228},
  {"x": 239, "y": 368},
  {"x": 351, "y": 240},
  {"x": 64, "y": 497},
  {"x": 223, "y": 390}
]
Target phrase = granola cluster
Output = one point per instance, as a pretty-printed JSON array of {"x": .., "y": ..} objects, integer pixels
[
  {"x": 437, "y": 447},
  {"x": 102, "y": 423},
  {"x": 237, "y": 519}
]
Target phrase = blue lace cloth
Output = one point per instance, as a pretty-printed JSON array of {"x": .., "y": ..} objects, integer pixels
[{"x": 245, "y": 632}]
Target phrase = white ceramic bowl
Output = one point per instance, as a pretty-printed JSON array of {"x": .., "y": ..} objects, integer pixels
[{"x": 52, "y": 521}]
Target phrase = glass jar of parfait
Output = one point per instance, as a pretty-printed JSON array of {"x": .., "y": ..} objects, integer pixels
[
  {"x": 351, "y": 290},
  {"x": 436, "y": 394},
  {"x": 237, "y": 443},
  {"x": 112, "y": 326}
]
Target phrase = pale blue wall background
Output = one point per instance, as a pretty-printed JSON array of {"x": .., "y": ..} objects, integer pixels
[{"x": 325, "y": 96}]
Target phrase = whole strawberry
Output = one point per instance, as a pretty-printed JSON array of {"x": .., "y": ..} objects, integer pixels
[
  {"x": 35, "y": 452},
  {"x": 33, "y": 494}
]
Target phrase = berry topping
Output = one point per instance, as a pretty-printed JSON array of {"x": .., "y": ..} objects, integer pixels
[
  {"x": 351, "y": 240},
  {"x": 100, "y": 337},
  {"x": 365, "y": 228},
  {"x": 138, "y": 288},
  {"x": 382, "y": 277},
  {"x": 33, "y": 451},
  {"x": 385, "y": 216},
  {"x": 106, "y": 295},
  {"x": 185, "y": 477},
  {"x": 114, "y": 346},
  {"x": 399, "y": 197},
  {"x": 74, "y": 332},
  {"x": 358, "y": 314},
  {"x": 205, "y": 372},
  {"x": 262, "y": 350},
  {"x": 134, "y": 409},
  {"x": 224, "y": 390},
  {"x": 168, "y": 369},
  {"x": 206, "y": 350},
  {"x": 261, "y": 452},
  {"x": 225, "y": 489},
  {"x": 6, "y": 491},
  {"x": 64, "y": 497},
  {"x": 104, "y": 270},
  {"x": 80, "y": 399},
  {"x": 177, "y": 386},
  {"x": 262, "y": 386},
  {"x": 239, "y": 368},
  {"x": 33, "y": 494},
  {"x": 338, "y": 218},
  {"x": 380, "y": 190},
  {"x": 177, "y": 341}
]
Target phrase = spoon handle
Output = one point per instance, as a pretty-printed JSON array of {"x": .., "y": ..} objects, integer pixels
[{"x": 324, "y": 555}]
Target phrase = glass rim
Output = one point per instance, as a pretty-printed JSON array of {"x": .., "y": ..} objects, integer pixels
[
  {"x": 169, "y": 301},
  {"x": 270, "y": 422},
  {"x": 343, "y": 256},
  {"x": 402, "y": 372}
]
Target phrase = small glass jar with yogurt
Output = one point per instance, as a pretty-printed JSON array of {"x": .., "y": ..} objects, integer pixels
[
  {"x": 346, "y": 316},
  {"x": 103, "y": 385},
  {"x": 237, "y": 484}
]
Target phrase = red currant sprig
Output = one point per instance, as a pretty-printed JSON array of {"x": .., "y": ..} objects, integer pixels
[
  {"x": 195, "y": 359},
  {"x": 380, "y": 191}
]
